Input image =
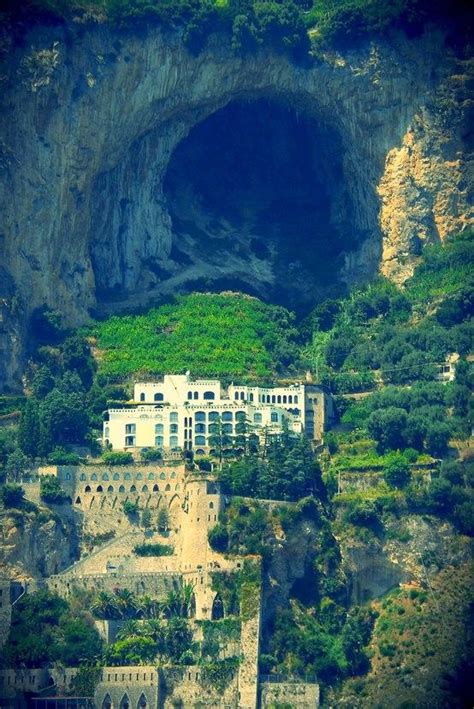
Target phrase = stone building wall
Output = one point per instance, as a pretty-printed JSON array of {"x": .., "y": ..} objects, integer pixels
[
  {"x": 5, "y": 609},
  {"x": 297, "y": 695},
  {"x": 136, "y": 685},
  {"x": 154, "y": 584}
]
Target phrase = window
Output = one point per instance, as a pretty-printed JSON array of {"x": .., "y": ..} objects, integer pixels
[
  {"x": 158, "y": 428},
  {"x": 168, "y": 488},
  {"x": 257, "y": 417},
  {"x": 278, "y": 399},
  {"x": 127, "y": 476},
  {"x": 139, "y": 476},
  {"x": 295, "y": 400},
  {"x": 290, "y": 399},
  {"x": 145, "y": 488},
  {"x": 173, "y": 441},
  {"x": 142, "y": 396},
  {"x": 190, "y": 395},
  {"x": 196, "y": 395},
  {"x": 110, "y": 488},
  {"x": 158, "y": 441},
  {"x": 151, "y": 476},
  {"x": 158, "y": 397},
  {"x": 83, "y": 476},
  {"x": 162, "y": 476},
  {"x": 121, "y": 488},
  {"x": 284, "y": 398},
  {"x": 173, "y": 475},
  {"x": 227, "y": 416},
  {"x": 173, "y": 416},
  {"x": 87, "y": 488},
  {"x": 236, "y": 396},
  {"x": 200, "y": 440},
  {"x": 133, "y": 488},
  {"x": 116, "y": 476},
  {"x": 209, "y": 396},
  {"x": 173, "y": 428},
  {"x": 242, "y": 396},
  {"x": 213, "y": 428},
  {"x": 200, "y": 416},
  {"x": 156, "y": 488},
  {"x": 296, "y": 412},
  {"x": 251, "y": 397},
  {"x": 273, "y": 399},
  {"x": 213, "y": 415},
  {"x": 94, "y": 476},
  {"x": 274, "y": 417},
  {"x": 211, "y": 505},
  {"x": 129, "y": 440},
  {"x": 268, "y": 398},
  {"x": 130, "y": 428},
  {"x": 240, "y": 427},
  {"x": 107, "y": 432},
  {"x": 105, "y": 476},
  {"x": 200, "y": 428},
  {"x": 227, "y": 428},
  {"x": 240, "y": 416}
]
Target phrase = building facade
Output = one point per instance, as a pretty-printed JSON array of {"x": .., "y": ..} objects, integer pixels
[{"x": 179, "y": 413}]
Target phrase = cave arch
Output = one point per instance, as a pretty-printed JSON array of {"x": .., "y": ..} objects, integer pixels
[{"x": 254, "y": 196}]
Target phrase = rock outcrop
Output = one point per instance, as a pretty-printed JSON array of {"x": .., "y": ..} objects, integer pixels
[{"x": 92, "y": 117}]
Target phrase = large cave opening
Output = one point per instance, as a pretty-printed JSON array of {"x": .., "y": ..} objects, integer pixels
[{"x": 259, "y": 202}]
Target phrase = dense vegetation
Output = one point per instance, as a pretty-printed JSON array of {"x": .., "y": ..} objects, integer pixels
[
  {"x": 285, "y": 25},
  {"x": 227, "y": 335}
]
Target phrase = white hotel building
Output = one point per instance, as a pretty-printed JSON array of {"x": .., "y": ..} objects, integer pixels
[{"x": 178, "y": 413}]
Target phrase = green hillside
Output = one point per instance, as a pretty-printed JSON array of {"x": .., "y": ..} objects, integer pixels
[{"x": 223, "y": 335}]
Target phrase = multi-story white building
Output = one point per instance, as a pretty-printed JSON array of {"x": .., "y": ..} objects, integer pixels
[{"x": 179, "y": 413}]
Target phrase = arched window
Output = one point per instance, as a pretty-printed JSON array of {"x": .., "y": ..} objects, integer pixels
[
  {"x": 178, "y": 487},
  {"x": 227, "y": 428},
  {"x": 127, "y": 476},
  {"x": 211, "y": 505},
  {"x": 133, "y": 488},
  {"x": 251, "y": 398},
  {"x": 236, "y": 396},
  {"x": 87, "y": 488},
  {"x": 274, "y": 417},
  {"x": 273, "y": 399},
  {"x": 121, "y": 488},
  {"x": 107, "y": 703},
  {"x": 200, "y": 440},
  {"x": 162, "y": 476},
  {"x": 295, "y": 400},
  {"x": 83, "y": 476},
  {"x": 78, "y": 500},
  {"x": 200, "y": 428},
  {"x": 257, "y": 417},
  {"x": 209, "y": 396},
  {"x": 158, "y": 428},
  {"x": 200, "y": 416},
  {"x": 173, "y": 441},
  {"x": 227, "y": 416},
  {"x": 217, "y": 608},
  {"x": 213, "y": 428},
  {"x": 125, "y": 702},
  {"x": 156, "y": 488},
  {"x": 242, "y": 396},
  {"x": 213, "y": 415},
  {"x": 142, "y": 396},
  {"x": 151, "y": 476},
  {"x": 139, "y": 476},
  {"x": 196, "y": 395},
  {"x": 116, "y": 476},
  {"x": 173, "y": 416},
  {"x": 278, "y": 399},
  {"x": 173, "y": 475},
  {"x": 94, "y": 476},
  {"x": 159, "y": 441},
  {"x": 142, "y": 702},
  {"x": 240, "y": 427},
  {"x": 173, "y": 428},
  {"x": 240, "y": 416},
  {"x": 105, "y": 476},
  {"x": 268, "y": 398},
  {"x": 168, "y": 488},
  {"x": 190, "y": 395},
  {"x": 284, "y": 398},
  {"x": 158, "y": 397},
  {"x": 67, "y": 476},
  {"x": 110, "y": 488},
  {"x": 145, "y": 488},
  {"x": 290, "y": 399}
]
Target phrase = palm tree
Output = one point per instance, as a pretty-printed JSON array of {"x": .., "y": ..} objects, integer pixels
[
  {"x": 148, "y": 607},
  {"x": 126, "y": 602},
  {"x": 179, "y": 603},
  {"x": 105, "y": 606},
  {"x": 128, "y": 629}
]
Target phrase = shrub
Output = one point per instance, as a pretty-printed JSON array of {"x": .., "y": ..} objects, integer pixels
[
  {"x": 363, "y": 513},
  {"x": 151, "y": 454},
  {"x": 219, "y": 538},
  {"x": 117, "y": 458},
  {"x": 130, "y": 508},
  {"x": 397, "y": 472},
  {"x": 153, "y": 550},
  {"x": 60, "y": 456},
  {"x": 51, "y": 490},
  {"x": 12, "y": 495}
]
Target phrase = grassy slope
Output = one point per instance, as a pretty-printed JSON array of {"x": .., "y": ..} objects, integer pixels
[
  {"x": 419, "y": 640},
  {"x": 225, "y": 335}
]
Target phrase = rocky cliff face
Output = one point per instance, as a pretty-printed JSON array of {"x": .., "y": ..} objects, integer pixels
[
  {"x": 34, "y": 546},
  {"x": 101, "y": 211}
]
